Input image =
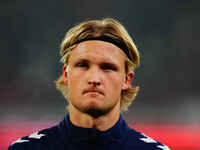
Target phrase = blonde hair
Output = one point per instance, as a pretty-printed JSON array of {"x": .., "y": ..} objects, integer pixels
[{"x": 97, "y": 28}]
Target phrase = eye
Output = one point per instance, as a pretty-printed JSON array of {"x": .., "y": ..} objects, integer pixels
[
  {"x": 108, "y": 67},
  {"x": 82, "y": 65}
]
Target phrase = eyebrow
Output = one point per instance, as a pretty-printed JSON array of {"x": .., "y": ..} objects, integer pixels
[
  {"x": 82, "y": 60},
  {"x": 109, "y": 63},
  {"x": 101, "y": 63}
]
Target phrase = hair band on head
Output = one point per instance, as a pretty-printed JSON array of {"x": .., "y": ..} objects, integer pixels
[{"x": 116, "y": 42}]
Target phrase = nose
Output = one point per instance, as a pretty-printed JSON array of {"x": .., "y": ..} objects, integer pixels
[
  {"x": 94, "y": 77},
  {"x": 94, "y": 83}
]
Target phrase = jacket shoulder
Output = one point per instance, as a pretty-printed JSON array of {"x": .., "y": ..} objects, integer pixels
[
  {"x": 37, "y": 140},
  {"x": 144, "y": 142}
]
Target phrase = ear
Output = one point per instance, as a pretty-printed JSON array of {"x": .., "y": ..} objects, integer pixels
[
  {"x": 128, "y": 80},
  {"x": 64, "y": 76}
]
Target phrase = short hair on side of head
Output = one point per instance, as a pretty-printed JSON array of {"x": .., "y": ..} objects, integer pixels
[{"x": 108, "y": 27}]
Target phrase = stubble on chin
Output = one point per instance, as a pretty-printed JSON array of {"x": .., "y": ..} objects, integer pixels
[{"x": 94, "y": 111}]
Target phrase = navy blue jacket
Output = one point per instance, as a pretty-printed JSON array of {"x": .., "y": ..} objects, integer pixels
[{"x": 66, "y": 136}]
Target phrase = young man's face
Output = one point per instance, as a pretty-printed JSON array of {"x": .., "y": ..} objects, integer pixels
[{"x": 95, "y": 77}]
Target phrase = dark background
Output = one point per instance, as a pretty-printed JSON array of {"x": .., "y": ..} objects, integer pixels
[{"x": 166, "y": 33}]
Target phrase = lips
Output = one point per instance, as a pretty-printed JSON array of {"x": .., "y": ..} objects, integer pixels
[{"x": 93, "y": 91}]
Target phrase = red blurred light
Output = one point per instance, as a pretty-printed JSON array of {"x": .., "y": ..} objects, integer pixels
[{"x": 177, "y": 137}]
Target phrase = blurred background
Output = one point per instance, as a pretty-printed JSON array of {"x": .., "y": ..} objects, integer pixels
[{"x": 166, "y": 34}]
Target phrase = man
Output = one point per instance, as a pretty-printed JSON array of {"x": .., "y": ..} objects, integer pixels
[{"x": 99, "y": 58}]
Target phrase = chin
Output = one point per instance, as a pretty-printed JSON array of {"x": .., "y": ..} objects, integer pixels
[
  {"x": 94, "y": 112},
  {"x": 94, "y": 108},
  {"x": 93, "y": 103}
]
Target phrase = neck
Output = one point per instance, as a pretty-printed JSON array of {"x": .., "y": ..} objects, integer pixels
[{"x": 101, "y": 123}]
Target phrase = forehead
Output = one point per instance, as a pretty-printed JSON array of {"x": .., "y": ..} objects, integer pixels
[{"x": 95, "y": 50}]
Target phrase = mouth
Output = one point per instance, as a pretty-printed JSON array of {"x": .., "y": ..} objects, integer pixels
[{"x": 93, "y": 92}]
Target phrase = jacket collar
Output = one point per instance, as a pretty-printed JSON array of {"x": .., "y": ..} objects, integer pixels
[{"x": 117, "y": 132}]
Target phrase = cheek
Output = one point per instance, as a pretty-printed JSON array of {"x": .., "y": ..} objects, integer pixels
[
  {"x": 74, "y": 81},
  {"x": 115, "y": 81}
]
